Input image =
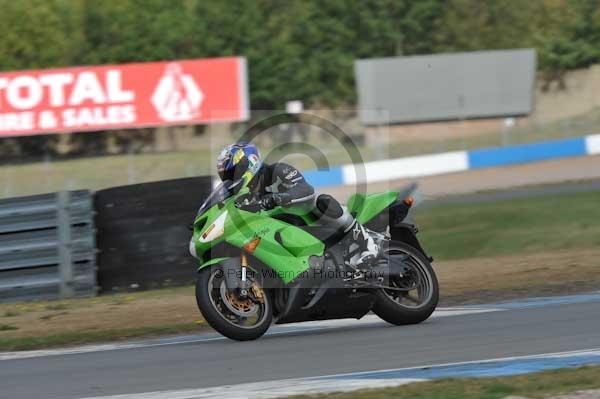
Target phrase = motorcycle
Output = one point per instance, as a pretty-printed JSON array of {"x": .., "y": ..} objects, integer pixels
[{"x": 259, "y": 267}]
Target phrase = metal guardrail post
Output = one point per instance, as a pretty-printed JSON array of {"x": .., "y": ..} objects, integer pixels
[{"x": 65, "y": 267}]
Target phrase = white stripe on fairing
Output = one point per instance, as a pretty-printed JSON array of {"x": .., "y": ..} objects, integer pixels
[
  {"x": 268, "y": 389},
  {"x": 311, "y": 326},
  {"x": 592, "y": 144},
  {"x": 423, "y": 165}
]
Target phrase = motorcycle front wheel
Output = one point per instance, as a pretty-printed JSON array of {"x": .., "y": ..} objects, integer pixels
[
  {"x": 238, "y": 318},
  {"x": 413, "y": 297}
]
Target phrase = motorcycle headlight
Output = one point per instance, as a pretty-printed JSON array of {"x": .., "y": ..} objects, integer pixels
[{"x": 193, "y": 248}]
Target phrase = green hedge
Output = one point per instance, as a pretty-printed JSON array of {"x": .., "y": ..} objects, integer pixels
[{"x": 296, "y": 49}]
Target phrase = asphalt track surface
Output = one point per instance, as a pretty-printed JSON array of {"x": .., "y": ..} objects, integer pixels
[
  {"x": 291, "y": 353},
  {"x": 518, "y": 193}
]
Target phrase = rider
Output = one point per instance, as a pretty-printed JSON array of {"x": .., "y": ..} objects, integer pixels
[{"x": 280, "y": 184}]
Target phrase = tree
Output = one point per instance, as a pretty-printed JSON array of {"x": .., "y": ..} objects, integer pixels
[
  {"x": 33, "y": 34},
  {"x": 577, "y": 45},
  {"x": 295, "y": 50}
]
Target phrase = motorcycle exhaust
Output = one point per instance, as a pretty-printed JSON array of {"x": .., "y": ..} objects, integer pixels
[{"x": 394, "y": 267}]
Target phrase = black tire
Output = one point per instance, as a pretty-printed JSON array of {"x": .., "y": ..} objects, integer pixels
[
  {"x": 218, "y": 321},
  {"x": 398, "y": 314}
]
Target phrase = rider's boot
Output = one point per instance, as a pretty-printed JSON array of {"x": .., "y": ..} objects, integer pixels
[{"x": 364, "y": 251}]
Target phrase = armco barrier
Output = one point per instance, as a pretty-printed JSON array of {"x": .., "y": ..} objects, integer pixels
[
  {"x": 47, "y": 246},
  {"x": 143, "y": 236},
  {"x": 434, "y": 164}
]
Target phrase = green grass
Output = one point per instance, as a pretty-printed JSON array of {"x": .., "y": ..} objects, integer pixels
[
  {"x": 100, "y": 172},
  {"x": 522, "y": 135},
  {"x": 87, "y": 337},
  {"x": 565, "y": 128},
  {"x": 530, "y": 385},
  {"x": 557, "y": 222}
]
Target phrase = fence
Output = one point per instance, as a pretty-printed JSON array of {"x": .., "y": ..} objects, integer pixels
[{"x": 47, "y": 246}]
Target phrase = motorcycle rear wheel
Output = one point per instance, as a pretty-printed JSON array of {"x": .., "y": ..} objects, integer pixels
[
  {"x": 419, "y": 290},
  {"x": 236, "y": 318}
]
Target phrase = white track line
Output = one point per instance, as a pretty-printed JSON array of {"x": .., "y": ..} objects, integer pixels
[
  {"x": 323, "y": 384},
  {"x": 594, "y": 351},
  {"x": 267, "y": 390},
  {"x": 311, "y": 326}
]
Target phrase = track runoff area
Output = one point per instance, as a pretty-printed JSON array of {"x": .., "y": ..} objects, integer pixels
[{"x": 501, "y": 339}]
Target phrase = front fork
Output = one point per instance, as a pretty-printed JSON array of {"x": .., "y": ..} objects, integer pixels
[
  {"x": 244, "y": 281},
  {"x": 249, "y": 289}
]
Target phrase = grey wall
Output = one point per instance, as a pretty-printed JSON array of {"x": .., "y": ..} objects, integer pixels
[
  {"x": 143, "y": 236},
  {"x": 446, "y": 86}
]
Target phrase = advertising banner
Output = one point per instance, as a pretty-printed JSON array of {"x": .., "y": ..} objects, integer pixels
[{"x": 123, "y": 96}]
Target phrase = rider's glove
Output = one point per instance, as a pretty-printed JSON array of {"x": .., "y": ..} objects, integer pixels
[{"x": 271, "y": 200}]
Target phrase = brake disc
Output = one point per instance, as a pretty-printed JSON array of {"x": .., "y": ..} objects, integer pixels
[{"x": 243, "y": 307}]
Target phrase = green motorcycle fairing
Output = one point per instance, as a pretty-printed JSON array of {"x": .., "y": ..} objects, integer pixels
[
  {"x": 283, "y": 247},
  {"x": 365, "y": 207}
]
